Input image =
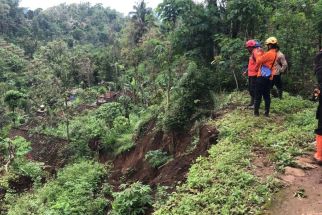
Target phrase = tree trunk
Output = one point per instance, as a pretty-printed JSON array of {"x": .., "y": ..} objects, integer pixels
[
  {"x": 14, "y": 117},
  {"x": 67, "y": 121},
  {"x": 235, "y": 77},
  {"x": 168, "y": 88},
  {"x": 11, "y": 157}
]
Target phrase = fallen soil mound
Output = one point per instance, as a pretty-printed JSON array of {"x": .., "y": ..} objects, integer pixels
[{"x": 131, "y": 166}]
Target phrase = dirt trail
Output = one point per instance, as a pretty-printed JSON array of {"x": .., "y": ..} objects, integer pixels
[{"x": 303, "y": 192}]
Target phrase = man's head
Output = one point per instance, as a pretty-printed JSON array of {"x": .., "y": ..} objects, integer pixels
[
  {"x": 272, "y": 43},
  {"x": 250, "y": 45}
]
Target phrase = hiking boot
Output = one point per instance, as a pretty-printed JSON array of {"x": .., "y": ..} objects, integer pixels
[
  {"x": 256, "y": 113},
  {"x": 318, "y": 162},
  {"x": 266, "y": 113},
  {"x": 251, "y": 106}
]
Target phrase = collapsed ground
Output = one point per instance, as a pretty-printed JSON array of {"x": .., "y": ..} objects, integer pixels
[{"x": 238, "y": 175}]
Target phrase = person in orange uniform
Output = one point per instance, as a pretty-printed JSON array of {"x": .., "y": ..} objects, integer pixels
[
  {"x": 318, "y": 131},
  {"x": 255, "y": 51},
  {"x": 266, "y": 70}
]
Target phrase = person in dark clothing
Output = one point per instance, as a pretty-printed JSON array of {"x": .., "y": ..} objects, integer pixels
[
  {"x": 263, "y": 82},
  {"x": 255, "y": 51},
  {"x": 318, "y": 131},
  {"x": 280, "y": 68}
]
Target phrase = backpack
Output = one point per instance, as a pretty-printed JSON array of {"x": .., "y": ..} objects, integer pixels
[{"x": 265, "y": 71}]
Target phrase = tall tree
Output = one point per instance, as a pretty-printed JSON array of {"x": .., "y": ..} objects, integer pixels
[{"x": 140, "y": 16}]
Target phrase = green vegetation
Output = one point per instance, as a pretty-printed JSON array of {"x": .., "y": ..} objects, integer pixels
[
  {"x": 72, "y": 192},
  {"x": 223, "y": 182},
  {"x": 14, "y": 160},
  {"x": 133, "y": 200},
  {"x": 102, "y": 82},
  {"x": 157, "y": 158}
]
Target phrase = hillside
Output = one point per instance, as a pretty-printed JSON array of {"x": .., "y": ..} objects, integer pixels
[
  {"x": 238, "y": 175},
  {"x": 148, "y": 113},
  {"x": 244, "y": 169}
]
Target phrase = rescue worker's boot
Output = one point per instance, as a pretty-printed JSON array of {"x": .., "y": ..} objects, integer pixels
[
  {"x": 318, "y": 154},
  {"x": 266, "y": 112},
  {"x": 256, "y": 112},
  {"x": 252, "y": 102}
]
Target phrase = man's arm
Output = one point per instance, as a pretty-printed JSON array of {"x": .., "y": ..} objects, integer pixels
[{"x": 283, "y": 63}]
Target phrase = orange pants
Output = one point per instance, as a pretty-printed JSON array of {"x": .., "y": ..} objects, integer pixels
[{"x": 318, "y": 154}]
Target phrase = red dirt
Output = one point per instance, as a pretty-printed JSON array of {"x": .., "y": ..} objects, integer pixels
[{"x": 131, "y": 166}]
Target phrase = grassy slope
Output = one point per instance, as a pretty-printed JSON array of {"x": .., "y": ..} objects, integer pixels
[{"x": 222, "y": 183}]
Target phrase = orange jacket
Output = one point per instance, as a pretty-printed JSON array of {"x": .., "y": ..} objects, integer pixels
[
  {"x": 267, "y": 59},
  {"x": 252, "y": 69}
]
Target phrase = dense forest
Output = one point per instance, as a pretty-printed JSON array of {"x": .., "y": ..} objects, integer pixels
[{"x": 98, "y": 111}]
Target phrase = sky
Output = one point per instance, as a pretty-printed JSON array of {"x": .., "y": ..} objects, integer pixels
[{"x": 123, "y": 6}]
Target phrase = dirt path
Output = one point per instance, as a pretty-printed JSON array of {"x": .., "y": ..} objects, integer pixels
[{"x": 303, "y": 192}]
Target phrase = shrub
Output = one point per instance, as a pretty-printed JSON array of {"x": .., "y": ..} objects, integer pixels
[
  {"x": 191, "y": 93},
  {"x": 84, "y": 129},
  {"x": 87, "y": 96},
  {"x": 29, "y": 168},
  {"x": 72, "y": 192},
  {"x": 156, "y": 158},
  {"x": 20, "y": 165},
  {"x": 133, "y": 200},
  {"x": 109, "y": 112},
  {"x": 121, "y": 124}
]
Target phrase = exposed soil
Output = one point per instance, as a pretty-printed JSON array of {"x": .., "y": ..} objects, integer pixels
[
  {"x": 303, "y": 192},
  {"x": 262, "y": 167},
  {"x": 2, "y": 193},
  {"x": 131, "y": 166},
  {"x": 48, "y": 149},
  {"x": 21, "y": 184}
]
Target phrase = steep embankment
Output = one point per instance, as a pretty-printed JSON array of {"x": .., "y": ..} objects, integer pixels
[
  {"x": 246, "y": 167},
  {"x": 132, "y": 165}
]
